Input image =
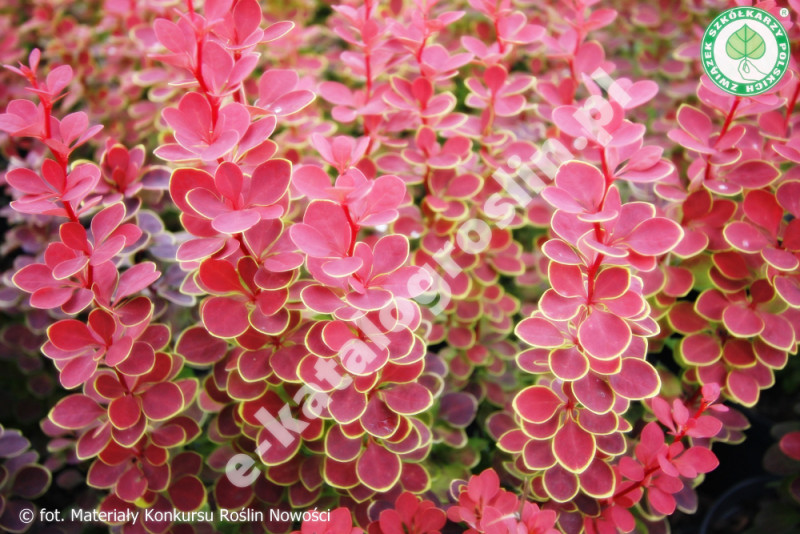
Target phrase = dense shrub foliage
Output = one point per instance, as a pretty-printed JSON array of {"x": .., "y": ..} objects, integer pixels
[{"x": 486, "y": 266}]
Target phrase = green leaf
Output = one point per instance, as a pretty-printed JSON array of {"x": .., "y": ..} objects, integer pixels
[{"x": 745, "y": 43}]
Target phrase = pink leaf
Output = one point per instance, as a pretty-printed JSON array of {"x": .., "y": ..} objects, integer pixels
[
  {"x": 573, "y": 447},
  {"x": 71, "y": 334},
  {"x": 199, "y": 347},
  {"x": 636, "y": 380},
  {"x": 136, "y": 279},
  {"x": 537, "y": 404},
  {"x": 540, "y": 332},
  {"x": 76, "y": 411},
  {"x": 745, "y": 237},
  {"x": 124, "y": 412},
  {"x": 408, "y": 399},
  {"x": 753, "y": 174},
  {"x": 604, "y": 335},
  {"x": 382, "y": 479},
  {"x": 742, "y": 321},
  {"x": 224, "y": 317},
  {"x": 162, "y": 401},
  {"x": 655, "y": 236},
  {"x": 270, "y": 182}
]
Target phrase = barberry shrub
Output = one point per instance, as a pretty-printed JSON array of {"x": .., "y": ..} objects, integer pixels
[{"x": 421, "y": 266}]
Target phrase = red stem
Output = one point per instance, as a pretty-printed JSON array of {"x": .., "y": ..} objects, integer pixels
[
  {"x": 678, "y": 437},
  {"x": 426, "y": 180},
  {"x": 501, "y": 46},
  {"x": 354, "y": 228},
  {"x": 368, "y": 73},
  {"x": 48, "y": 108},
  {"x": 63, "y": 161},
  {"x": 606, "y": 174},
  {"x": 592, "y": 272},
  {"x": 238, "y": 96},
  {"x": 685, "y": 429},
  {"x": 728, "y": 119},
  {"x": 636, "y": 486},
  {"x": 790, "y": 108},
  {"x": 489, "y": 123},
  {"x": 422, "y": 49},
  {"x": 598, "y": 231},
  {"x": 725, "y": 127},
  {"x": 245, "y": 249},
  {"x": 70, "y": 212}
]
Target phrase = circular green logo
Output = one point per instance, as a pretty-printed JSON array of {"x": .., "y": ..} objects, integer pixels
[{"x": 745, "y": 51}]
